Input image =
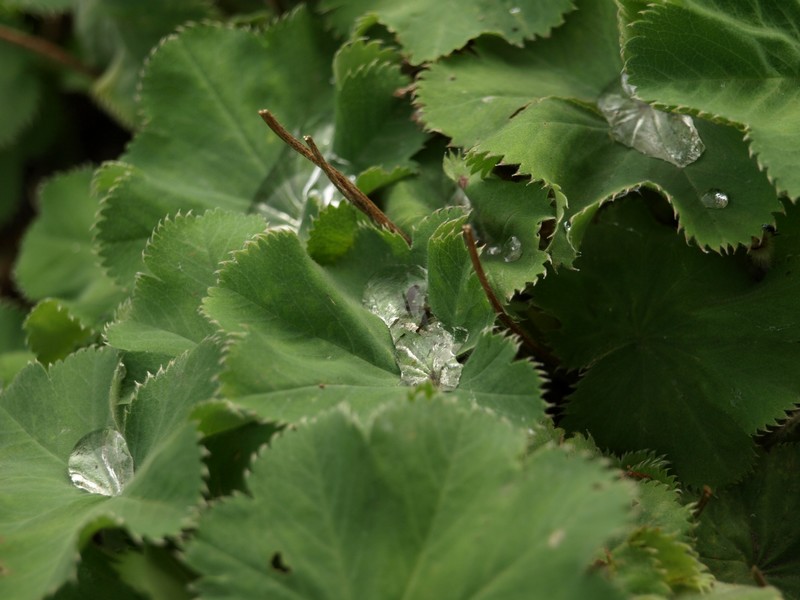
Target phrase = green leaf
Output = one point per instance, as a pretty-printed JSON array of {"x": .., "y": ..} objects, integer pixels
[
  {"x": 502, "y": 210},
  {"x": 181, "y": 258},
  {"x": 333, "y": 233},
  {"x": 725, "y": 591},
  {"x": 53, "y": 332},
  {"x": 117, "y": 36},
  {"x": 682, "y": 355},
  {"x": 44, "y": 518},
  {"x": 455, "y": 295},
  {"x": 471, "y": 95},
  {"x": 410, "y": 506},
  {"x": 568, "y": 147},
  {"x": 373, "y": 125},
  {"x": 43, "y": 6},
  {"x": 56, "y": 258},
  {"x": 191, "y": 96},
  {"x": 735, "y": 60},
  {"x": 13, "y": 351},
  {"x": 753, "y": 525},
  {"x": 307, "y": 343},
  {"x": 97, "y": 579},
  {"x": 428, "y": 30},
  {"x": 493, "y": 379}
]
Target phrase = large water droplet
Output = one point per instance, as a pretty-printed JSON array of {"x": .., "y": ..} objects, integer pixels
[
  {"x": 398, "y": 298},
  {"x": 101, "y": 463},
  {"x": 714, "y": 199},
  {"x": 668, "y": 136},
  {"x": 512, "y": 249},
  {"x": 428, "y": 355}
]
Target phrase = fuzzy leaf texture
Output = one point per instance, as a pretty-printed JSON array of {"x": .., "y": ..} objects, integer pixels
[
  {"x": 384, "y": 516},
  {"x": 684, "y": 353},
  {"x": 738, "y": 61}
]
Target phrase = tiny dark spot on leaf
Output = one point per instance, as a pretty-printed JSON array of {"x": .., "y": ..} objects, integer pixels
[
  {"x": 451, "y": 78},
  {"x": 277, "y": 564},
  {"x": 321, "y": 386}
]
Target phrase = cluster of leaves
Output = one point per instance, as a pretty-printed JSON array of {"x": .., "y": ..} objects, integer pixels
[{"x": 203, "y": 295}]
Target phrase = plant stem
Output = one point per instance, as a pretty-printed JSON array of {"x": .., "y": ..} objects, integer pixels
[
  {"x": 348, "y": 189},
  {"x": 703, "y": 502},
  {"x": 758, "y": 576},
  {"x": 539, "y": 352},
  {"x": 45, "y": 48}
]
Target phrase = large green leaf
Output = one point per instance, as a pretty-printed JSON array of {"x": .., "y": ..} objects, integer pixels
[
  {"x": 738, "y": 60},
  {"x": 568, "y": 146},
  {"x": 182, "y": 258},
  {"x": 44, "y": 518},
  {"x": 472, "y": 95},
  {"x": 203, "y": 145},
  {"x": 685, "y": 353},
  {"x": 117, "y": 36},
  {"x": 170, "y": 166},
  {"x": 755, "y": 525},
  {"x": 428, "y": 500},
  {"x": 428, "y": 30},
  {"x": 304, "y": 342}
]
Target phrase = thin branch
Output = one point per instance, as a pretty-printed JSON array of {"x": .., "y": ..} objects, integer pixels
[
  {"x": 349, "y": 190},
  {"x": 538, "y": 351},
  {"x": 45, "y": 48},
  {"x": 703, "y": 502}
]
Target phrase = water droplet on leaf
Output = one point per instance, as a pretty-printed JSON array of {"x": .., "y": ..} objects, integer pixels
[
  {"x": 515, "y": 11},
  {"x": 428, "y": 355},
  {"x": 668, "y": 136},
  {"x": 512, "y": 249},
  {"x": 101, "y": 463},
  {"x": 714, "y": 199},
  {"x": 399, "y": 296}
]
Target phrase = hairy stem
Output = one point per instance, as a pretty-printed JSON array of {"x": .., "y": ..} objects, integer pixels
[
  {"x": 539, "y": 352},
  {"x": 46, "y": 49},
  {"x": 348, "y": 189}
]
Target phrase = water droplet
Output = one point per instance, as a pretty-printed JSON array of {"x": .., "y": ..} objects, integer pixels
[
  {"x": 399, "y": 297},
  {"x": 488, "y": 99},
  {"x": 512, "y": 249},
  {"x": 101, "y": 463},
  {"x": 567, "y": 226},
  {"x": 428, "y": 355},
  {"x": 668, "y": 136},
  {"x": 714, "y": 199},
  {"x": 515, "y": 11}
]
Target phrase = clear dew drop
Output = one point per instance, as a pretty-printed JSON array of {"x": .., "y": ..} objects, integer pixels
[
  {"x": 428, "y": 355},
  {"x": 714, "y": 198},
  {"x": 398, "y": 296},
  {"x": 512, "y": 249},
  {"x": 424, "y": 349},
  {"x": 515, "y": 11},
  {"x": 101, "y": 463},
  {"x": 655, "y": 133}
]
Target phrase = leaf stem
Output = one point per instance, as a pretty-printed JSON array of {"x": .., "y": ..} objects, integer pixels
[
  {"x": 703, "y": 502},
  {"x": 348, "y": 189},
  {"x": 45, "y": 48},
  {"x": 758, "y": 576},
  {"x": 539, "y": 352}
]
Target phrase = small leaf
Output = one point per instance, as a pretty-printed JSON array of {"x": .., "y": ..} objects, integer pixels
[
  {"x": 412, "y": 505},
  {"x": 53, "y": 333}
]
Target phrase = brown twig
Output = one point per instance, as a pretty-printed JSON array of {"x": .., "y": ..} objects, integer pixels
[
  {"x": 539, "y": 352},
  {"x": 703, "y": 502},
  {"x": 758, "y": 576},
  {"x": 45, "y": 48},
  {"x": 348, "y": 189}
]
